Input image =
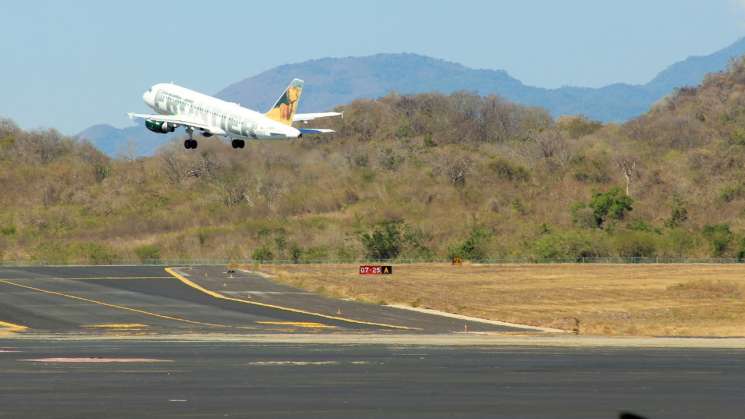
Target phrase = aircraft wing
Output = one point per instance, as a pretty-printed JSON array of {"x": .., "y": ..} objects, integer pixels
[
  {"x": 305, "y": 117},
  {"x": 312, "y": 131},
  {"x": 180, "y": 120}
]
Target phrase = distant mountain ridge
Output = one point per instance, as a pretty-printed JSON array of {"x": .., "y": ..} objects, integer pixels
[
  {"x": 121, "y": 141},
  {"x": 330, "y": 82}
]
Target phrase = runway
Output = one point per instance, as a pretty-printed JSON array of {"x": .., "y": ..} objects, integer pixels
[
  {"x": 136, "y": 341},
  {"x": 211, "y": 379},
  {"x": 149, "y": 299}
]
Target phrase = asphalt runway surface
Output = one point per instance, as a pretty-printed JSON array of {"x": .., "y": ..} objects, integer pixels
[
  {"x": 218, "y": 379},
  {"x": 149, "y": 299},
  {"x": 124, "y": 342}
]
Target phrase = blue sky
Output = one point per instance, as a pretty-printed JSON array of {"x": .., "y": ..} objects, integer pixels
[{"x": 72, "y": 64}]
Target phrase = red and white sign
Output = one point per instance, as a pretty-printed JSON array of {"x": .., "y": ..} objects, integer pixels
[{"x": 376, "y": 270}]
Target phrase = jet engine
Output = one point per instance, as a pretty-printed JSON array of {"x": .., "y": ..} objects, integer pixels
[{"x": 159, "y": 127}]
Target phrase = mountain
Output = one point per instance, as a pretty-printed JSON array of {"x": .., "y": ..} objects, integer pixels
[
  {"x": 330, "y": 82},
  {"x": 334, "y": 81},
  {"x": 691, "y": 71},
  {"x": 131, "y": 140}
]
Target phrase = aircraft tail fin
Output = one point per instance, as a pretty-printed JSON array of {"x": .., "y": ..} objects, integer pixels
[{"x": 284, "y": 109}]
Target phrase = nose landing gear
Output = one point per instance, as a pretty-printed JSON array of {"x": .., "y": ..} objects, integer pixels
[{"x": 238, "y": 143}]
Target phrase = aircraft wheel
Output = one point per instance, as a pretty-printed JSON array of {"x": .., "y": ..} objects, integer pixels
[{"x": 238, "y": 143}]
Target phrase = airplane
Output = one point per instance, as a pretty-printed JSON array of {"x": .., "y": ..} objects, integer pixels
[{"x": 178, "y": 106}]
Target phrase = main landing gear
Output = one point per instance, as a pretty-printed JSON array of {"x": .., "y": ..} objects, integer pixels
[
  {"x": 238, "y": 143},
  {"x": 191, "y": 142}
]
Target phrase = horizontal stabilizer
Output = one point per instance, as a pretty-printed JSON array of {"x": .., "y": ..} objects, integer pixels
[
  {"x": 305, "y": 117},
  {"x": 313, "y": 131}
]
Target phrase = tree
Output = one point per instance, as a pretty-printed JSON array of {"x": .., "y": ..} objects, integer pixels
[
  {"x": 384, "y": 242},
  {"x": 628, "y": 168},
  {"x": 611, "y": 205}
]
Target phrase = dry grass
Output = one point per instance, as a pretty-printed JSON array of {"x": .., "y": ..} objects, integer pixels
[{"x": 650, "y": 300}]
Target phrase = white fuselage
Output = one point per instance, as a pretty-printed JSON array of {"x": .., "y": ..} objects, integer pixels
[{"x": 236, "y": 121}]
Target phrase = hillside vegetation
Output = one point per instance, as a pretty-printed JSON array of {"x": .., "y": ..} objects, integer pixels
[{"x": 426, "y": 176}]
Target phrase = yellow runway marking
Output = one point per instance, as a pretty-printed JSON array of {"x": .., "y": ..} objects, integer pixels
[
  {"x": 276, "y": 307},
  {"x": 120, "y": 307},
  {"x": 12, "y": 327},
  {"x": 309, "y": 325},
  {"x": 116, "y": 326}
]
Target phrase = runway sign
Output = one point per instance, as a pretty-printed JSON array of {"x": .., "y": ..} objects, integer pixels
[{"x": 376, "y": 270}]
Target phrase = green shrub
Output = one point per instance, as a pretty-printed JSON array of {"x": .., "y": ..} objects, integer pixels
[
  {"x": 572, "y": 245},
  {"x": 316, "y": 253},
  {"x": 679, "y": 242},
  {"x": 473, "y": 247},
  {"x": 262, "y": 253},
  {"x": 741, "y": 250},
  {"x": 345, "y": 254},
  {"x": 732, "y": 192},
  {"x": 588, "y": 170},
  {"x": 678, "y": 214},
  {"x": 368, "y": 175},
  {"x": 428, "y": 141},
  {"x": 509, "y": 171},
  {"x": 611, "y": 205},
  {"x": 96, "y": 254},
  {"x": 636, "y": 244},
  {"x": 384, "y": 242},
  {"x": 640, "y": 225},
  {"x": 280, "y": 243},
  {"x": 719, "y": 237},
  {"x": 413, "y": 244},
  {"x": 148, "y": 253},
  {"x": 519, "y": 207},
  {"x": 296, "y": 252},
  {"x": 8, "y": 230},
  {"x": 737, "y": 136}
]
